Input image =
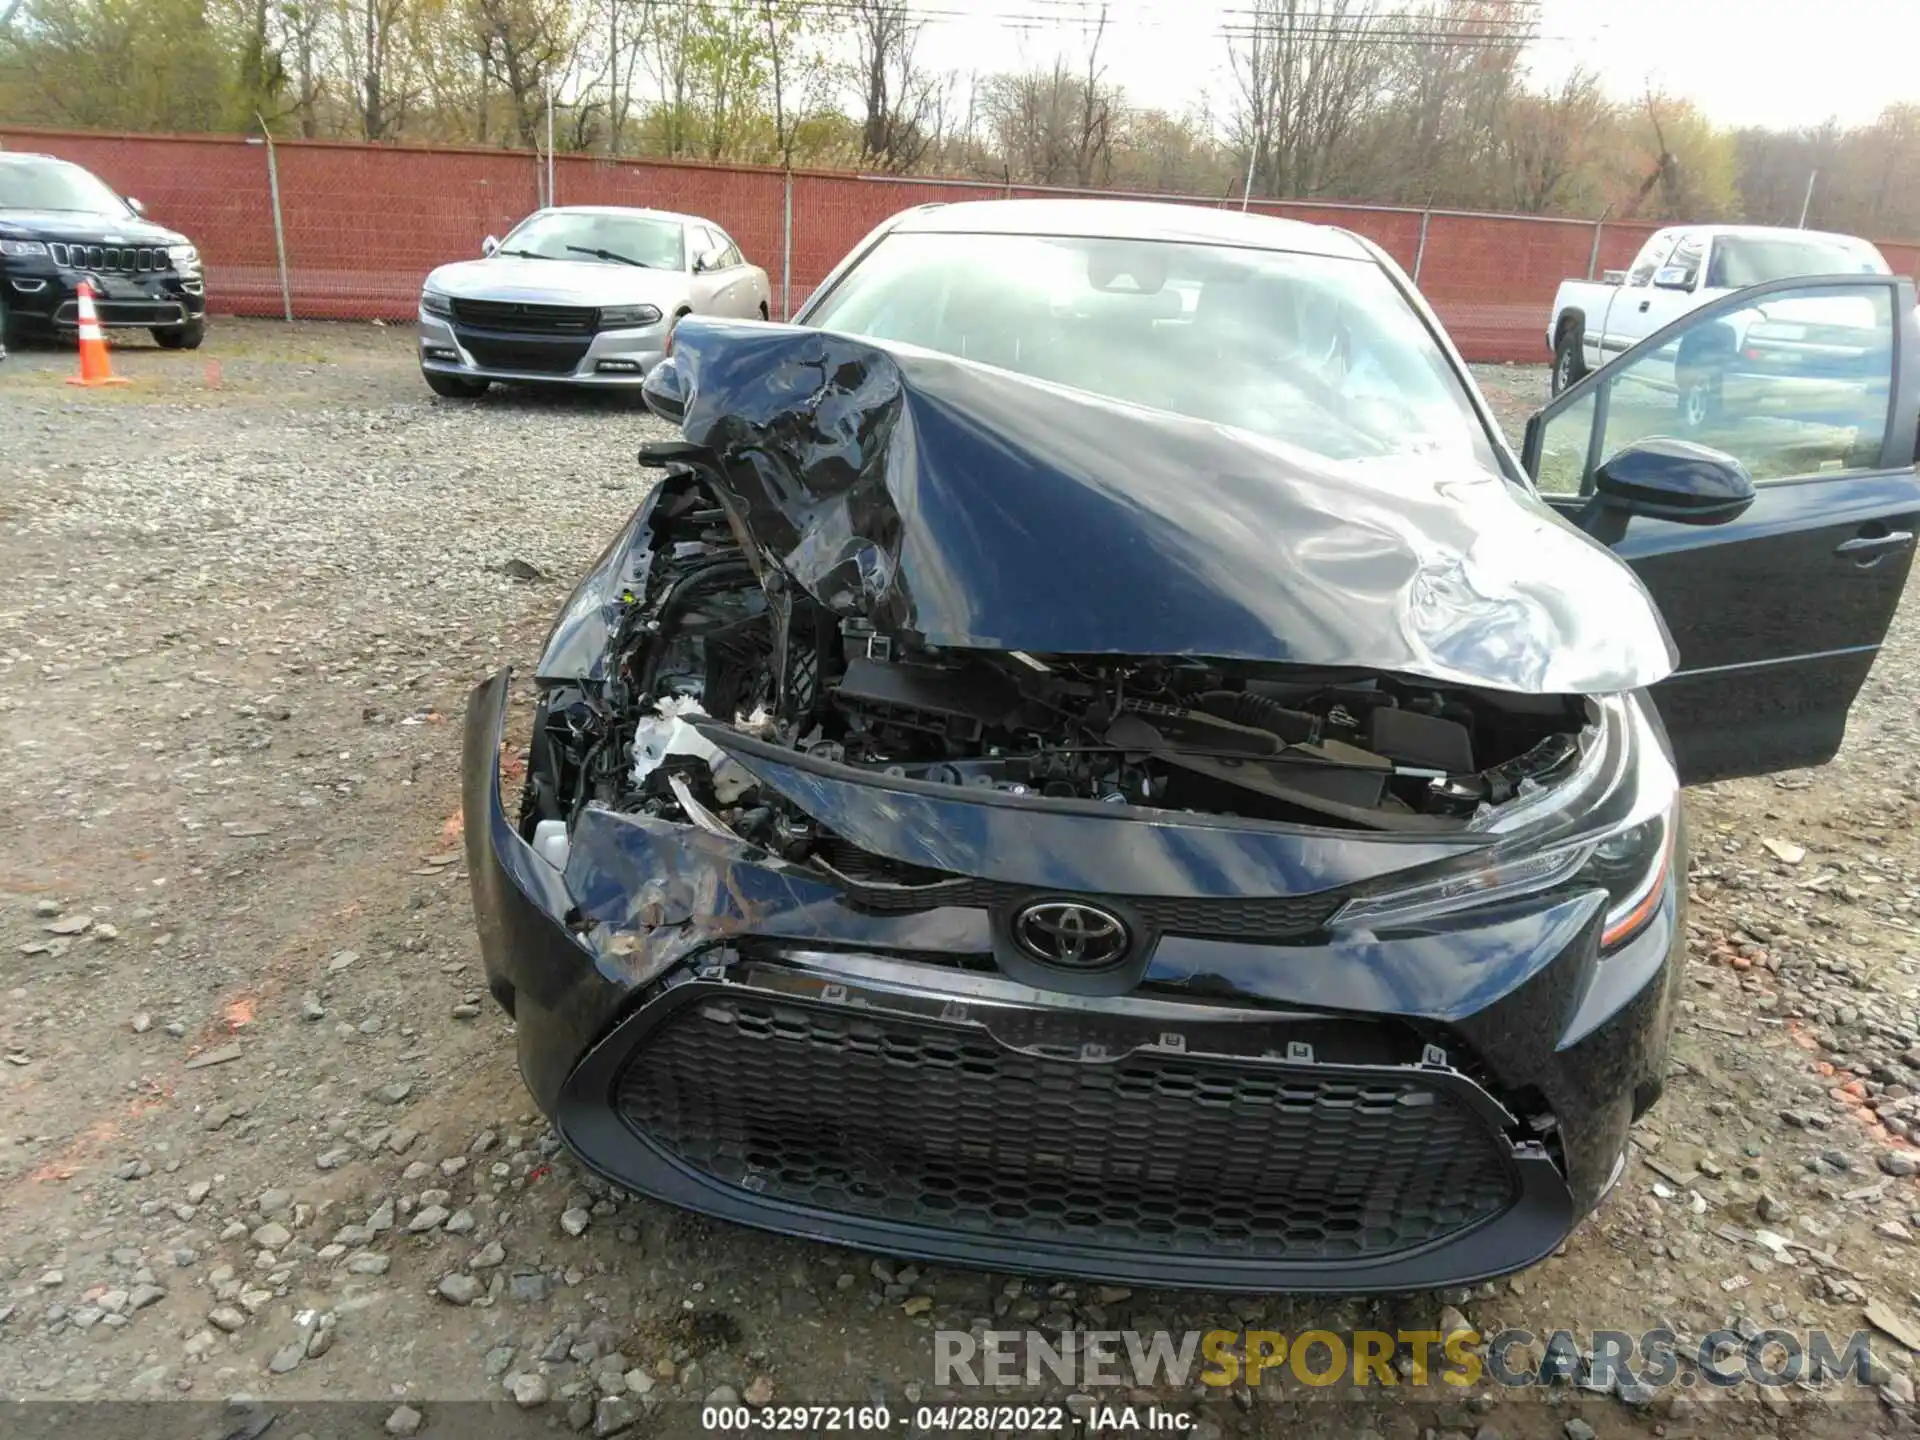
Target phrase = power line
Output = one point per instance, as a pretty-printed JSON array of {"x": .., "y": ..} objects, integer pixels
[{"x": 1084, "y": 13}]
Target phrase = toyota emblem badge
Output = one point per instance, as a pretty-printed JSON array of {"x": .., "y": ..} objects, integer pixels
[{"x": 1071, "y": 935}]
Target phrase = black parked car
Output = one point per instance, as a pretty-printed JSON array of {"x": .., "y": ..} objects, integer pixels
[
  {"x": 59, "y": 225},
  {"x": 1097, "y": 757}
]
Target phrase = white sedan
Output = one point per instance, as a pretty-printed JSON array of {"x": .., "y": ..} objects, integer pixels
[{"x": 580, "y": 295}]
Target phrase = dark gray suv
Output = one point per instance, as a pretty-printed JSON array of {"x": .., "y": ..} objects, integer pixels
[{"x": 60, "y": 225}]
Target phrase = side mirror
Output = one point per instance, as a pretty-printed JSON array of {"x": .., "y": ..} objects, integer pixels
[
  {"x": 136, "y": 207},
  {"x": 708, "y": 260},
  {"x": 1664, "y": 479},
  {"x": 1673, "y": 277},
  {"x": 665, "y": 391},
  {"x": 1613, "y": 277},
  {"x": 488, "y": 246}
]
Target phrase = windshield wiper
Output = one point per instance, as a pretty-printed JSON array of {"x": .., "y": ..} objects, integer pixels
[
  {"x": 609, "y": 255},
  {"x": 523, "y": 254}
]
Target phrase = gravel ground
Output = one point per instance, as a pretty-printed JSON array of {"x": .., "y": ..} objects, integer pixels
[{"x": 261, "y": 1132}]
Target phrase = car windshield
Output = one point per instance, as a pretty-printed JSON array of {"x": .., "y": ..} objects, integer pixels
[
  {"x": 1742, "y": 260},
  {"x": 54, "y": 185},
  {"x": 1319, "y": 352},
  {"x": 588, "y": 235}
]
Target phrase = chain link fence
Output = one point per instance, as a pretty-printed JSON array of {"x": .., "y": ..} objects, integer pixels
[{"x": 327, "y": 230}]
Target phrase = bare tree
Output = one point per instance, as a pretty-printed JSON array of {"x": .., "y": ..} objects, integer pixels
[
  {"x": 380, "y": 17},
  {"x": 1305, "y": 72},
  {"x": 372, "y": 42},
  {"x": 300, "y": 26},
  {"x": 1450, "y": 71},
  {"x": 901, "y": 101},
  {"x": 1880, "y": 163},
  {"x": 1664, "y": 173},
  {"x": 665, "y": 49},
  {"x": 787, "y": 23},
  {"x": 623, "y": 58},
  {"x": 524, "y": 43},
  {"x": 1549, "y": 138},
  {"x": 1093, "y": 148},
  {"x": 1054, "y": 127}
]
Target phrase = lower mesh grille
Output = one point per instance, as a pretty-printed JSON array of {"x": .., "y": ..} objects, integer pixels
[
  {"x": 909, "y": 1119},
  {"x": 540, "y": 357},
  {"x": 127, "y": 312}
]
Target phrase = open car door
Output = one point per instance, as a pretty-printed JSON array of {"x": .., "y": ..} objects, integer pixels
[{"x": 1777, "y": 592}]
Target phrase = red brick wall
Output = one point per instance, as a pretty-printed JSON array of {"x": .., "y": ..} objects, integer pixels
[{"x": 364, "y": 223}]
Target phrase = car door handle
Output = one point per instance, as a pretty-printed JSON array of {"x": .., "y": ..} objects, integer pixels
[
  {"x": 1645, "y": 305},
  {"x": 1865, "y": 547}
]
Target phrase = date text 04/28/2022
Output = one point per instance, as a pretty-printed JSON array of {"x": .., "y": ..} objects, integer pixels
[{"x": 941, "y": 1419}]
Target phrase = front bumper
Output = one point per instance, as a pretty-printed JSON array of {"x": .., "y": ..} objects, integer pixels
[
  {"x": 1350, "y": 1115},
  {"x": 612, "y": 358},
  {"x": 44, "y": 298}
]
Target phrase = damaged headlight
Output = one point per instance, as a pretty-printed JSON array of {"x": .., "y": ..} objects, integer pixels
[
  {"x": 1496, "y": 880},
  {"x": 1632, "y": 864},
  {"x": 1620, "y": 839}
]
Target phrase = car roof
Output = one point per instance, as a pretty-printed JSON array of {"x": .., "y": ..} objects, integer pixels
[
  {"x": 1767, "y": 232},
  {"x": 1134, "y": 220},
  {"x": 25, "y": 155},
  {"x": 636, "y": 211}
]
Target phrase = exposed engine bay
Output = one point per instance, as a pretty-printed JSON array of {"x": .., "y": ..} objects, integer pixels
[{"x": 712, "y": 642}]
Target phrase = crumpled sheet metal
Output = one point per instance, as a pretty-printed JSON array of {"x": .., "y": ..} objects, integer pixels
[
  {"x": 1080, "y": 848},
  {"x": 656, "y": 892},
  {"x": 961, "y": 505}
]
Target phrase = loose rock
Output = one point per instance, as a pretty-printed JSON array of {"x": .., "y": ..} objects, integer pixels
[
  {"x": 458, "y": 1289},
  {"x": 529, "y": 1391}
]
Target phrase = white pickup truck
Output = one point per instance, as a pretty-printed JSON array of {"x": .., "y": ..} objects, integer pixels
[{"x": 1679, "y": 269}]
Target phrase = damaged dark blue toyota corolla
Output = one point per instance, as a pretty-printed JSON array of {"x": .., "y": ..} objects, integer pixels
[{"x": 1096, "y": 757}]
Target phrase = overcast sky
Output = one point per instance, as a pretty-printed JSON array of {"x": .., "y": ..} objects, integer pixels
[{"x": 1745, "y": 62}]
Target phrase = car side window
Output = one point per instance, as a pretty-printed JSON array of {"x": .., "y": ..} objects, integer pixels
[
  {"x": 718, "y": 245},
  {"x": 729, "y": 252},
  {"x": 1793, "y": 384},
  {"x": 1688, "y": 254},
  {"x": 1652, "y": 255}
]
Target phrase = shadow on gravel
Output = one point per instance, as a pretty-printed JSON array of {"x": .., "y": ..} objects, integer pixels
[{"x": 551, "y": 399}]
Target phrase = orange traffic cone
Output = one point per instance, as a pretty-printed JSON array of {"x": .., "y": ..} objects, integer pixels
[{"x": 95, "y": 368}]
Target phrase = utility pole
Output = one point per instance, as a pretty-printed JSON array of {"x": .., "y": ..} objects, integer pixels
[
  {"x": 279, "y": 228},
  {"x": 613, "y": 77},
  {"x": 1807, "y": 202}
]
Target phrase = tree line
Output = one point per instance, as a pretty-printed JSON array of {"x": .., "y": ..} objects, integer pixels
[{"x": 1414, "y": 102}]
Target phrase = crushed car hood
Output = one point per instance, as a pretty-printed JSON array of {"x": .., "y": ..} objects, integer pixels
[{"x": 958, "y": 504}]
